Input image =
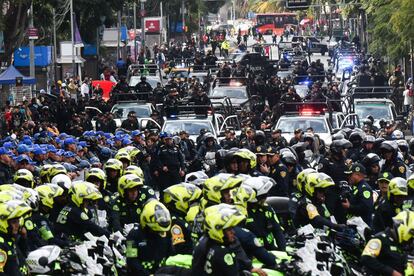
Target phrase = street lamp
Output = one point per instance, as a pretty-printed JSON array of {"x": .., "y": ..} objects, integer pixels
[{"x": 143, "y": 24}]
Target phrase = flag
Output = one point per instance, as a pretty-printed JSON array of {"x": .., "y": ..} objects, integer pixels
[{"x": 76, "y": 34}]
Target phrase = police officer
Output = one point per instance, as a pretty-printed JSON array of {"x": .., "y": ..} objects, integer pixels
[
  {"x": 335, "y": 166},
  {"x": 262, "y": 219},
  {"x": 248, "y": 142},
  {"x": 246, "y": 162},
  {"x": 356, "y": 138},
  {"x": 178, "y": 199},
  {"x": 127, "y": 206},
  {"x": 131, "y": 123},
  {"x": 47, "y": 195},
  {"x": 97, "y": 176},
  {"x": 75, "y": 219},
  {"x": 361, "y": 202},
  {"x": 393, "y": 165},
  {"x": 277, "y": 140},
  {"x": 113, "y": 171},
  {"x": 230, "y": 140},
  {"x": 215, "y": 254},
  {"x": 249, "y": 242},
  {"x": 11, "y": 261},
  {"x": 6, "y": 172},
  {"x": 148, "y": 244},
  {"x": 25, "y": 178},
  {"x": 406, "y": 156},
  {"x": 170, "y": 163},
  {"x": 390, "y": 206},
  {"x": 371, "y": 163},
  {"x": 278, "y": 171},
  {"x": 216, "y": 190},
  {"x": 383, "y": 254},
  {"x": 311, "y": 207},
  {"x": 143, "y": 86}
]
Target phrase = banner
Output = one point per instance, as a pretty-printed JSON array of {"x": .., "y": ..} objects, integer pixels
[{"x": 153, "y": 25}]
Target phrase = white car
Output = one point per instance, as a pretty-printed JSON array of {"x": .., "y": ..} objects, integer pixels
[
  {"x": 319, "y": 123},
  {"x": 121, "y": 110},
  {"x": 215, "y": 124}
]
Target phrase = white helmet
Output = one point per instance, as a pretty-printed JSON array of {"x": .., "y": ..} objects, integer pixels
[
  {"x": 398, "y": 134},
  {"x": 196, "y": 178},
  {"x": 63, "y": 181},
  {"x": 261, "y": 184}
]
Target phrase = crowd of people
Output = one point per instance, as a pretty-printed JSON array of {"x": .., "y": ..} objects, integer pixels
[{"x": 62, "y": 177}]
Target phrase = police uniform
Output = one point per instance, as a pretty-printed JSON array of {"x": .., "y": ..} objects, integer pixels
[
  {"x": 362, "y": 203},
  {"x": 45, "y": 230},
  {"x": 172, "y": 158},
  {"x": 6, "y": 174},
  {"x": 280, "y": 142},
  {"x": 382, "y": 254},
  {"x": 315, "y": 214},
  {"x": 384, "y": 212},
  {"x": 229, "y": 143},
  {"x": 263, "y": 223},
  {"x": 212, "y": 258},
  {"x": 129, "y": 212},
  {"x": 335, "y": 168},
  {"x": 73, "y": 222},
  {"x": 11, "y": 263},
  {"x": 396, "y": 167},
  {"x": 254, "y": 248},
  {"x": 180, "y": 235},
  {"x": 279, "y": 173},
  {"x": 247, "y": 144},
  {"x": 146, "y": 251},
  {"x": 33, "y": 235}
]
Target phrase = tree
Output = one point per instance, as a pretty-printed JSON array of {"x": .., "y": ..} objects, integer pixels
[
  {"x": 13, "y": 23},
  {"x": 390, "y": 26},
  {"x": 268, "y": 6}
]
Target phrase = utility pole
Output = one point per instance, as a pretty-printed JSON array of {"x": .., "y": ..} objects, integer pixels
[
  {"x": 118, "y": 40},
  {"x": 31, "y": 45},
  {"x": 161, "y": 23},
  {"x": 183, "y": 16},
  {"x": 143, "y": 25},
  {"x": 54, "y": 46},
  {"x": 135, "y": 31},
  {"x": 73, "y": 38}
]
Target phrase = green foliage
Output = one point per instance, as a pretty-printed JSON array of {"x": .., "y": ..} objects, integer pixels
[{"x": 391, "y": 26}]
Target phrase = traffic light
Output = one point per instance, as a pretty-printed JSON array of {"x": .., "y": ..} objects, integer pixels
[{"x": 298, "y": 4}]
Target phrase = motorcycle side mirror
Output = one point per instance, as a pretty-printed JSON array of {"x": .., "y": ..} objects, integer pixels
[{"x": 43, "y": 261}]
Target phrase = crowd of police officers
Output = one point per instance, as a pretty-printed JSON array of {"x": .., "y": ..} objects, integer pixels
[{"x": 56, "y": 187}]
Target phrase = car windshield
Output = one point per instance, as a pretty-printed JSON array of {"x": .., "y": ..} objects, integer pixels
[
  {"x": 288, "y": 125},
  {"x": 377, "y": 111},
  {"x": 192, "y": 128},
  {"x": 136, "y": 79},
  {"x": 231, "y": 92},
  {"x": 179, "y": 74},
  {"x": 142, "y": 111}
]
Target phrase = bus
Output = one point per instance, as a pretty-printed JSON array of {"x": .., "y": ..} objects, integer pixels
[{"x": 275, "y": 23}]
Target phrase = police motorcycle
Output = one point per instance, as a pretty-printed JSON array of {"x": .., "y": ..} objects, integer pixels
[{"x": 95, "y": 256}]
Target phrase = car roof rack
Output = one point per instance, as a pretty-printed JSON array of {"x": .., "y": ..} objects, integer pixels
[
  {"x": 228, "y": 81},
  {"x": 187, "y": 108},
  {"x": 144, "y": 70},
  {"x": 137, "y": 97},
  {"x": 363, "y": 92}
]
